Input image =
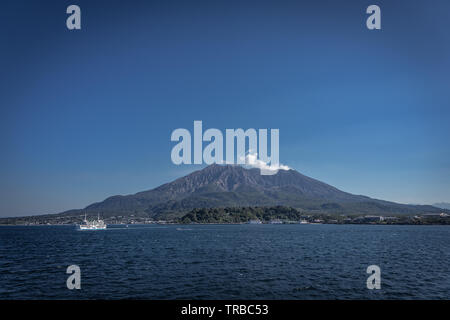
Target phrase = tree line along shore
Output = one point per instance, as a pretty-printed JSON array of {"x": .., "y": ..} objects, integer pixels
[{"x": 238, "y": 215}]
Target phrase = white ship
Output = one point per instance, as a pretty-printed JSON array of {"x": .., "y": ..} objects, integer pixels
[
  {"x": 93, "y": 225},
  {"x": 276, "y": 221}
]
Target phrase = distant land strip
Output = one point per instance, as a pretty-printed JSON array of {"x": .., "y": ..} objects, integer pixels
[{"x": 241, "y": 215}]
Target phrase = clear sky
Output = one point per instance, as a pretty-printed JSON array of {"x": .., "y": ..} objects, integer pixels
[{"x": 88, "y": 114}]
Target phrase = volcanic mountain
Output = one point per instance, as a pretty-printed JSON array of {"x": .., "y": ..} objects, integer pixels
[{"x": 235, "y": 186}]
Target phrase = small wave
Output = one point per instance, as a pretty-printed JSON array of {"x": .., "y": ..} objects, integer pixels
[{"x": 305, "y": 288}]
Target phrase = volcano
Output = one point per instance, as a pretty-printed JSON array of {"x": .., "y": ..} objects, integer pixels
[{"x": 219, "y": 186}]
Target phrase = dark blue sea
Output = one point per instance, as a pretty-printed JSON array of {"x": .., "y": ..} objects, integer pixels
[{"x": 226, "y": 262}]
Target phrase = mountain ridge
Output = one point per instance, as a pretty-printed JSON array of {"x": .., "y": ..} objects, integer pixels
[
  {"x": 442, "y": 205},
  {"x": 235, "y": 186}
]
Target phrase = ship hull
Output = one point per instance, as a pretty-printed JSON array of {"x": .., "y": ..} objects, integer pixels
[{"x": 92, "y": 228}]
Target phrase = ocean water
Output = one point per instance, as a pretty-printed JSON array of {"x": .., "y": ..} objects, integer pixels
[{"x": 226, "y": 262}]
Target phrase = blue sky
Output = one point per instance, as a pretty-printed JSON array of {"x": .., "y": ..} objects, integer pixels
[{"x": 88, "y": 114}]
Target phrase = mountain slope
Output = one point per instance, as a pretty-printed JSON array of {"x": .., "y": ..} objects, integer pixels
[
  {"x": 235, "y": 186},
  {"x": 442, "y": 205}
]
